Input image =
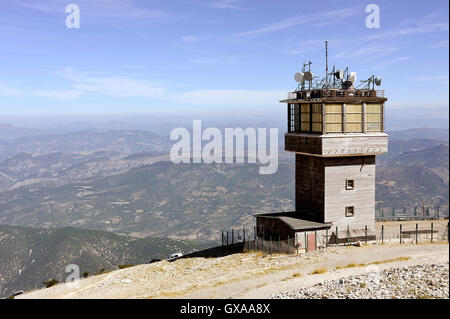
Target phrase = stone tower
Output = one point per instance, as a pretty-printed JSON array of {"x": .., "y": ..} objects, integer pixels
[{"x": 335, "y": 129}]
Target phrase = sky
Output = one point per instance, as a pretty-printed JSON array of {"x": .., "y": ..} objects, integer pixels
[{"x": 224, "y": 56}]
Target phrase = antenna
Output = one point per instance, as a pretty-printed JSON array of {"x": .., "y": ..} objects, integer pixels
[
  {"x": 352, "y": 77},
  {"x": 378, "y": 81},
  {"x": 326, "y": 64},
  {"x": 371, "y": 81},
  {"x": 299, "y": 77},
  {"x": 337, "y": 79}
]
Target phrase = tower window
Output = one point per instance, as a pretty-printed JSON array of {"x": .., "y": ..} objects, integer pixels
[
  {"x": 349, "y": 211},
  {"x": 350, "y": 184}
]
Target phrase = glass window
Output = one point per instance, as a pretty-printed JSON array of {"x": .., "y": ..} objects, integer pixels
[
  {"x": 350, "y": 184},
  {"x": 374, "y": 117},
  {"x": 305, "y": 118},
  {"x": 349, "y": 211},
  {"x": 353, "y": 114},
  {"x": 316, "y": 116},
  {"x": 333, "y": 118}
]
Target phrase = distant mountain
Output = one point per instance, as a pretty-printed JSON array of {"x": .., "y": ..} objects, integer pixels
[
  {"x": 420, "y": 133},
  {"x": 10, "y": 132},
  {"x": 190, "y": 201},
  {"x": 86, "y": 142},
  {"x": 146, "y": 195},
  {"x": 61, "y": 168},
  {"x": 30, "y": 256},
  {"x": 415, "y": 177}
]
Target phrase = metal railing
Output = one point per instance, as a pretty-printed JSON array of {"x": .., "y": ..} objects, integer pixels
[
  {"x": 337, "y": 236},
  {"x": 314, "y": 94}
]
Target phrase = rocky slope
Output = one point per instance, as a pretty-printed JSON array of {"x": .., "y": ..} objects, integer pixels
[{"x": 30, "y": 256}]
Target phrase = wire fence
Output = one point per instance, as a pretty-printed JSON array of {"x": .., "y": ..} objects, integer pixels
[
  {"x": 303, "y": 242},
  {"x": 409, "y": 213}
]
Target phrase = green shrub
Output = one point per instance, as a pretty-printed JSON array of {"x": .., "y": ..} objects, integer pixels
[
  {"x": 125, "y": 266},
  {"x": 50, "y": 283}
]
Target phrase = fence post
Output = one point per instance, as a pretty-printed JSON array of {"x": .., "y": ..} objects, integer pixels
[
  {"x": 243, "y": 234},
  {"x": 382, "y": 234},
  {"x": 382, "y": 212},
  {"x": 222, "y": 237},
  {"x": 431, "y": 232},
  {"x": 348, "y": 234},
  {"x": 315, "y": 239},
  {"x": 306, "y": 242},
  {"x": 337, "y": 237},
  {"x": 232, "y": 236},
  {"x": 417, "y": 233},
  {"x": 289, "y": 245},
  {"x": 415, "y": 211},
  {"x": 393, "y": 212},
  {"x": 254, "y": 232},
  {"x": 365, "y": 231},
  {"x": 400, "y": 233},
  {"x": 227, "y": 237},
  {"x": 437, "y": 211},
  {"x": 326, "y": 237},
  {"x": 279, "y": 244},
  {"x": 270, "y": 245}
]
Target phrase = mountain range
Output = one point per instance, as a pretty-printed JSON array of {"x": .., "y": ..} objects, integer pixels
[{"x": 30, "y": 256}]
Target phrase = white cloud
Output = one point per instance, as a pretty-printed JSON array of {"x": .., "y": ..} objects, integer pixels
[
  {"x": 97, "y": 8},
  {"x": 6, "y": 90},
  {"x": 441, "y": 44},
  {"x": 436, "y": 78},
  {"x": 231, "y": 97},
  {"x": 189, "y": 39},
  {"x": 226, "y": 4},
  {"x": 116, "y": 86},
  {"x": 336, "y": 15},
  {"x": 59, "y": 94},
  {"x": 372, "y": 50},
  {"x": 214, "y": 60}
]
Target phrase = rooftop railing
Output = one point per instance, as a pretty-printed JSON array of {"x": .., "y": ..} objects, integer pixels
[{"x": 314, "y": 94}]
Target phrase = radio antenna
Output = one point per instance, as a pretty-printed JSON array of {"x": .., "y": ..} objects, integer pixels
[{"x": 326, "y": 63}]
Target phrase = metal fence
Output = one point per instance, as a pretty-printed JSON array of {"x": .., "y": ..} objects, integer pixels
[
  {"x": 409, "y": 213},
  {"x": 401, "y": 233}
]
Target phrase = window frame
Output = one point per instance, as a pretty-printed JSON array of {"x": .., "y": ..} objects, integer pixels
[
  {"x": 347, "y": 187},
  {"x": 349, "y": 214}
]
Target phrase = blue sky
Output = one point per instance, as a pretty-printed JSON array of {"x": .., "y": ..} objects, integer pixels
[{"x": 131, "y": 56}]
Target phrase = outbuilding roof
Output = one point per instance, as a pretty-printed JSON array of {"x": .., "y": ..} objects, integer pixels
[{"x": 292, "y": 220}]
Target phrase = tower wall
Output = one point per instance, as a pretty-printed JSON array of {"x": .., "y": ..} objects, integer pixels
[
  {"x": 322, "y": 194},
  {"x": 362, "y": 197}
]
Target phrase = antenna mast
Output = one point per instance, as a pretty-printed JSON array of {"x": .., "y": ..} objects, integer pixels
[{"x": 326, "y": 63}]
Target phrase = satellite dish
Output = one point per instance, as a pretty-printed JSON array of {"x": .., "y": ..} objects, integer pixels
[
  {"x": 378, "y": 81},
  {"x": 308, "y": 76},
  {"x": 339, "y": 74},
  {"x": 299, "y": 77},
  {"x": 352, "y": 77}
]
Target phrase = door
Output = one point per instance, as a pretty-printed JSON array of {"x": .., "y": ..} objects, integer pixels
[{"x": 311, "y": 241}]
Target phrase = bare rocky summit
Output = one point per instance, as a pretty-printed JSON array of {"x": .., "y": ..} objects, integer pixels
[{"x": 409, "y": 282}]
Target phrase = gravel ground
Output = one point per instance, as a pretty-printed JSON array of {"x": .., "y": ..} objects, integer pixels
[
  {"x": 243, "y": 275},
  {"x": 419, "y": 281}
]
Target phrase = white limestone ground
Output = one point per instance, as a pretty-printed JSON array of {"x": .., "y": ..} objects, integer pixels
[
  {"x": 252, "y": 275},
  {"x": 409, "y": 282}
]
